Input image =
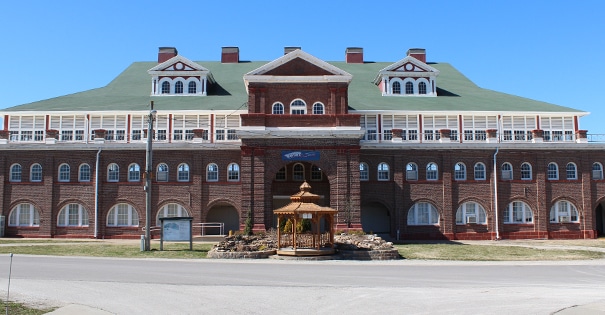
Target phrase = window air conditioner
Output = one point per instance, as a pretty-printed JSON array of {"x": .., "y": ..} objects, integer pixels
[
  {"x": 596, "y": 175},
  {"x": 412, "y": 175},
  {"x": 472, "y": 219},
  {"x": 162, "y": 177},
  {"x": 507, "y": 175},
  {"x": 564, "y": 219}
]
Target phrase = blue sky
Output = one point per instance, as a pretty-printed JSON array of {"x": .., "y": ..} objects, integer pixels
[{"x": 551, "y": 51}]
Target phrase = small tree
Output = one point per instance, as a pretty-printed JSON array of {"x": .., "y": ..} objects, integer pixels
[{"x": 248, "y": 224}]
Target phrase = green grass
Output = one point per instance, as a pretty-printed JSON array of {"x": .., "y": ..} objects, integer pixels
[
  {"x": 21, "y": 309},
  {"x": 465, "y": 252}
]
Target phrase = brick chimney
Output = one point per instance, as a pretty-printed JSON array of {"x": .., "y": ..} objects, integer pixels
[
  {"x": 354, "y": 55},
  {"x": 166, "y": 53},
  {"x": 418, "y": 53},
  {"x": 289, "y": 49},
  {"x": 230, "y": 55}
]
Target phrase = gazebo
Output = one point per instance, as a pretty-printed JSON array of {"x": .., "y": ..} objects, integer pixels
[{"x": 310, "y": 231}]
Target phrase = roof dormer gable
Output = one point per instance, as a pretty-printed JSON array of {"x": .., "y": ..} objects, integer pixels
[
  {"x": 410, "y": 66},
  {"x": 178, "y": 64},
  {"x": 408, "y": 77},
  {"x": 297, "y": 67},
  {"x": 180, "y": 76}
]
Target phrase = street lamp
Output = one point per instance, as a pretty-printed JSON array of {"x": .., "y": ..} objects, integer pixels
[{"x": 148, "y": 172}]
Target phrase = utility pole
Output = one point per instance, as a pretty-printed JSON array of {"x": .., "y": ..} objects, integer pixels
[{"x": 148, "y": 173}]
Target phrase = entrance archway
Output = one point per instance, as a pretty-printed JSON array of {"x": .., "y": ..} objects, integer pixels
[
  {"x": 375, "y": 218},
  {"x": 600, "y": 220},
  {"x": 226, "y": 214}
]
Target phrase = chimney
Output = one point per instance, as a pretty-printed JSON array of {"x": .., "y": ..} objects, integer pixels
[
  {"x": 166, "y": 53},
  {"x": 354, "y": 55},
  {"x": 289, "y": 49},
  {"x": 418, "y": 53},
  {"x": 230, "y": 55}
]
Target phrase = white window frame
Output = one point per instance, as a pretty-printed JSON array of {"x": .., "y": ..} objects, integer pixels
[
  {"x": 571, "y": 171},
  {"x": 552, "y": 173},
  {"x": 183, "y": 172},
  {"x": 277, "y": 108},
  {"x": 506, "y": 171},
  {"x": 113, "y": 172},
  {"x": 383, "y": 172},
  {"x": 364, "y": 172},
  {"x": 298, "y": 172},
  {"x": 122, "y": 215},
  {"x": 81, "y": 173},
  {"x": 24, "y": 214},
  {"x": 432, "y": 171},
  {"x": 471, "y": 209},
  {"x": 411, "y": 171},
  {"x": 460, "y": 171},
  {"x": 212, "y": 172},
  {"x": 421, "y": 211},
  {"x": 563, "y": 211},
  {"x": 480, "y": 174},
  {"x": 515, "y": 215},
  {"x": 134, "y": 172},
  {"x": 318, "y": 108},
  {"x": 35, "y": 175},
  {"x": 64, "y": 173},
  {"x": 526, "y": 174},
  {"x": 16, "y": 173},
  {"x": 162, "y": 173},
  {"x": 233, "y": 172},
  {"x": 298, "y": 107},
  {"x": 597, "y": 171},
  {"x": 171, "y": 210},
  {"x": 73, "y": 209}
]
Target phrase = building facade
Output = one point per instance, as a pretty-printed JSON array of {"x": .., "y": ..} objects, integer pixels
[{"x": 410, "y": 149}]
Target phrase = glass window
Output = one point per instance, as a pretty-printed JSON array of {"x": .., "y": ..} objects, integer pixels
[
  {"x": 431, "y": 171},
  {"x": 171, "y": 210},
  {"x": 597, "y": 171},
  {"x": 518, "y": 212},
  {"x": 73, "y": 215},
  {"x": 192, "y": 88},
  {"x": 165, "y": 87},
  {"x": 460, "y": 171},
  {"x": 298, "y": 172},
  {"x": 396, "y": 87},
  {"x": 35, "y": 174},
  {"x": 507, "y": 171},
  {"x": 409, "y": 88},
  {"x": 316, "y": 173},
  {"x": 480, "y": 171},
  {"x": 162, "y": 172},
  {"x": 383, "y": 171},
  {"x": 84, "y": 173},
  {"x": 423, "y": 213},
  {"x": 178, "y": 87},
  {"x": 134, "y": 172},
  {"x": 122, "y": 214},
  {"x": 183, "y": 172},
  {"x": 278, "y": 109},
  {"x": 564, "y": 212},
  {"x": 471, "y": 213},
  {"x": 212, "y": 172},
  {"x": 571, "y": 171},
  {"x": 298, "y": 107},
  {"x": 318, "y": 109},
  {"x": 526, "y": 171},
  {"x": 24, "y": 214},
  {"x": 281, "y": 174},
  {"x": 15, "y": 173},
  {"x": 364, "y": 172},
  {"x": 64, "y": 173},
  {"x": 411, "y": 171},
  {"x": 113, "y": 173},
  {"x": 422, "y": 88},
  {"x": 233, "y": 172},
  {"x": 553, "y": 171}
]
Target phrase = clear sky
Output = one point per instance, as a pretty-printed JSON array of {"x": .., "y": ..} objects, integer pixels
[{"x": 551, "y": 51}]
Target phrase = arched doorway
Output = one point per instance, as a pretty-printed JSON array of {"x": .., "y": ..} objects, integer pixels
[
  {"x": 600, "y": 220},
  {"x": 375, "y": 218},
  {"x": 226, "y": 214}
]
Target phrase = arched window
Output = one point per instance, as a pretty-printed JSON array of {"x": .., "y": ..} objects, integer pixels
[
  {"x": 178, "y": 87},
  {"x": 422, "y": 88},
  {"x": 409, "y": 88},
  {"x": 460, "y": 171},
  {"x": 134, "y": 172},
  {"x": 364, "y": 171},
  {"x": 15, "y": 173},
  {"x": 518, "y": 212},
  {"x": 318, "y": 109},
  {"x": 507, "y": 171},
  {"x": 183, "y": 172},
  {"x": 411, "y": 171},
  {"x": 165, "y": 87},
  {"x": 597, "y": 171},
  {"x": 423, "y": 213},
  {"x": 278, "y": 109},
  {"x": 396, "y": 87},
  {"x": 432, "y": 171},
  {"x": 383, "y": 171},
  {"x": 84, "y": 173},
  {"x": 471, "y": 212},
  {"x": 212, "y": 172},
  {"x": 192, "y": 88},
  {"x": 298, "y": 107},
  {"x": 24, "y": 214},
  {"x": 171, "y": 210},
  {"x": 553, "y": 171},
  {"x": 73, "y": 214},
  {"x": 479, "y": 171},
  {"x": 564, "y": 211},
  {"x": 35, "y": 174},
  {"x": 316, "y": 173},
  {"x": 281, "y": 174},
  {"x": 526, "y": 171},
  {"x": 298, "y": 172},
  {"x": 571, "y": 171},
  {"x": 162, "y": 173},
  {"x": 64, "y": 172},
  {"x": 123, "y": 214},
  {"x": 233, "y": 172},
  {"x": 113, "y": 172}
]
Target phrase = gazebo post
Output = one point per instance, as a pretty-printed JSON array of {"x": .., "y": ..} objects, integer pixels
[
  {"x": 294, "y": 233},
  {"x": 278, "y": 231}
]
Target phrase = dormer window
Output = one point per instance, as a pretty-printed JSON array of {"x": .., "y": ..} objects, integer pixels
[
  {"x": 178, "y": 88},
  {"x": 165, "y": 87},
  {"x": 409, "y": 88},
  {"x": 192, "y": 88},
  {"x": 421, "y": 88},
  {"x": 177, "y": 75},
  {"x": 396, "y": 87},
  {"x": 410, "y": 76}
]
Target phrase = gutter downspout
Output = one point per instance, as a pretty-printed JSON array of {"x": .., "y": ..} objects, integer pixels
[
  {"x": 496, "y": 193},
  {"x": 97, "y": 193}
]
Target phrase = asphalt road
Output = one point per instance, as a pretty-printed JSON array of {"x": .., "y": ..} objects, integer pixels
[{"x": 141, "y": 286}]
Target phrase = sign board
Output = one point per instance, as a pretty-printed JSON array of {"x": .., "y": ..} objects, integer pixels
[
  {"x": 299, "y": 155},
  {"x": 176, "y": 229}
]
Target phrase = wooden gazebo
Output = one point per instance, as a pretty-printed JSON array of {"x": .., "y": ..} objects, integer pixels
[{"x": 303, "y": 206}]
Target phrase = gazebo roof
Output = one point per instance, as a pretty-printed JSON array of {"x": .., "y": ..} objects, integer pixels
[{"x": 304, "y": 202}]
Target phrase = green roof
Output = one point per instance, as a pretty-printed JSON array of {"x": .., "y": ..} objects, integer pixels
[{"x": 131, "y": 91}]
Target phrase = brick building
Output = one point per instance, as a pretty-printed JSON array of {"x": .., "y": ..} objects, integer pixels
[{"x": 412, "y": 149}]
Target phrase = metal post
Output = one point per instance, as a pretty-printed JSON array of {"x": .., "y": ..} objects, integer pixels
[{"x": 148, "y": 172}]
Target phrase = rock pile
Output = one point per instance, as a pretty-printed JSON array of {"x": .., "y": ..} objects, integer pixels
[
  {"x": 247, "y": 243},
  {"x": 361, "y": 242}
]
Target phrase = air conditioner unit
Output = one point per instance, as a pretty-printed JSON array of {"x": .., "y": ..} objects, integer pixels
[
  {"x": 597, "y": 175},
  {"x": 472, "y": 219},
  {"x": 162, "y": 177},
  {"x": 412, "y": 175},
  {"x": 507, "y": 175},
  {"x": 564, "y": 219}
]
